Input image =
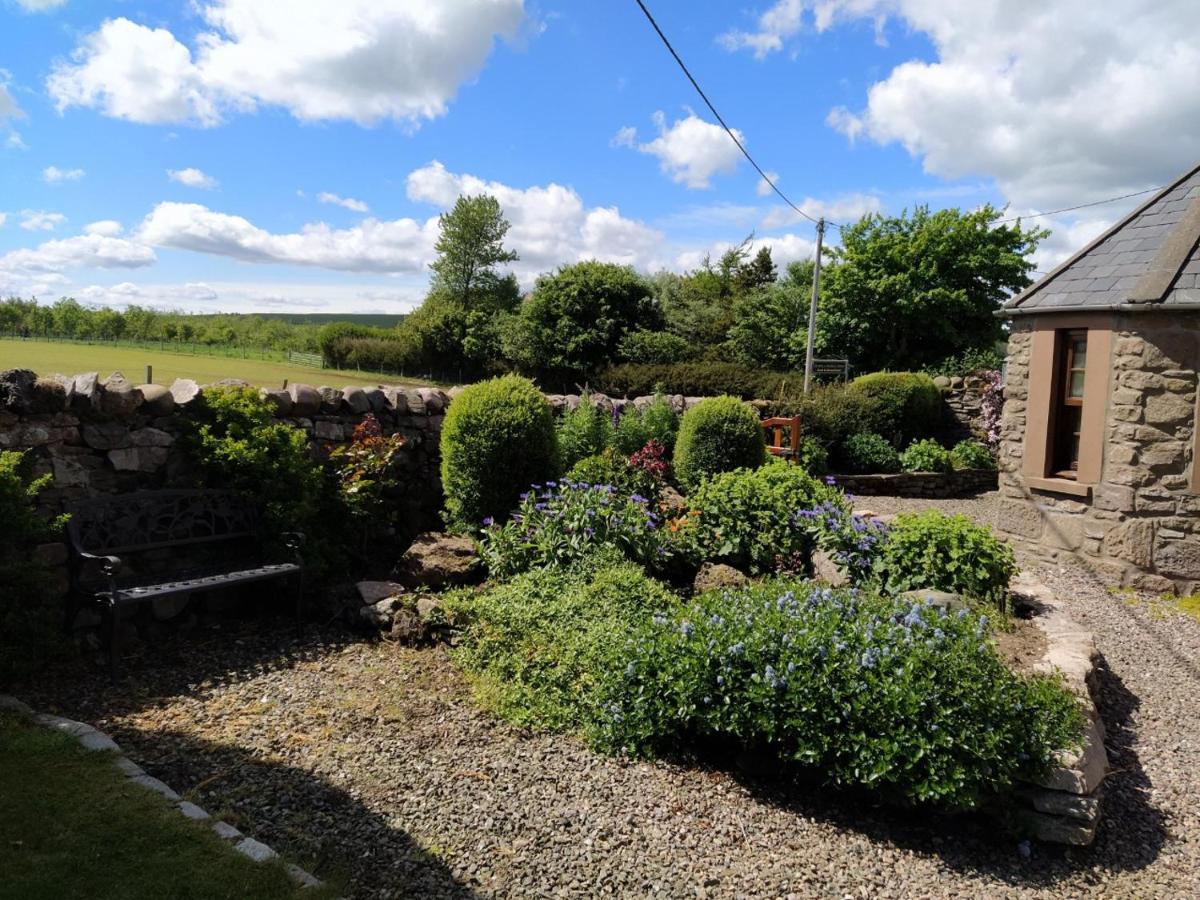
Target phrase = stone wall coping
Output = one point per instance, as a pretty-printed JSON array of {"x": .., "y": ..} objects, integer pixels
[{"x": 92, "y": 739}]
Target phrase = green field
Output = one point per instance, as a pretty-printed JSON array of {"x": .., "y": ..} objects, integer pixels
[{"x": 71, "y": 359}]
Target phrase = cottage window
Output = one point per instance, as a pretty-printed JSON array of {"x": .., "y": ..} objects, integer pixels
[{"x": 1068, "y": 414}]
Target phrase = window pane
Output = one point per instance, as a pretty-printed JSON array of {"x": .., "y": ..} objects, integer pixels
[
  {"x": 1079, "y": 354},
  {"x": 1076, "y": 383}
]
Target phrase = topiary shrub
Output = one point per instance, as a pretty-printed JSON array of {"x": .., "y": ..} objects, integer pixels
[
  {"x": 497, "y": 439},
  {"x": 926, "y": 456},
  {"x": 945, "y": 553},
  {"x": 537, "y": 645},
  {"x": 754, "y": 519},
  {"x": 905, "y": 406},
  {"x": 867, "y": 691},
  {"x": 972, "y": 455},
  {"x": 717, "y": 435},
  {"x": 868, "y": 453},
  {"x": 583, "y": 431}
]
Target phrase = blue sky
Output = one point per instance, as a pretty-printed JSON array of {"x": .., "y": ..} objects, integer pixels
[{"x": 244, "y": 154}]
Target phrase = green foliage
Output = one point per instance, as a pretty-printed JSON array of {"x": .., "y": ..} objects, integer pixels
[
  {"x": 28, "y": 620},
  {"x": 908, "y": 291},
  {"x": 576, "y": 318},
  {"x": 610, "y": 467},
  {"x": 770, "y": 324},
  {"x": 698, "y": 379},
  {"x": 750, "y": 518},
  {"x": 866, "y": 691},
  {"x": 972, "y": 455},
  {"x": 562, "y": 522},
  {"x": 470, "y": 246},
  {"x": 904, "y": 405},
  {"x": 366, "y": 470},
  {"x": 497, "y": 439},
  {"x": 969, "y": 362},
  {"x": 538, "y": 644},
  {"x": 717, "y": 435},
  {"x": 336, "y": 338},
  {"x": 583, "y": 431},
  {"x": 654, "y": 347},
  {"x": 946, "y": 553},
  {"x": 926, "y": 456},
  {"x": 637, "y": 427},
  {"x": 813, "y": 457},
  {"x": 868, "y": 453}
]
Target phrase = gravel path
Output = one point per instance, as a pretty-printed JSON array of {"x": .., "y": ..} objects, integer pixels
[{"x": 370, "y": 762}]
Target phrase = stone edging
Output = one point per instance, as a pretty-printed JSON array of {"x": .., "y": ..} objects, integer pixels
[
  {"x": 92, "y": 739},
  {"x": 920, "y": 484},
  {"x": 1064, "y": 806}
]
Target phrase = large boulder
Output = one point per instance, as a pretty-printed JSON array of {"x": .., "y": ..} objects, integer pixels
[
  {"x": 120, "y": 397},
  {"x": 713, "y": 576},
  {"x": 437, "y": 560}
]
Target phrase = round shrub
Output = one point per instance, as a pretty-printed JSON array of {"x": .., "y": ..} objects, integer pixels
[
  {"x": 926, "y": 456},
  {"x": 498, "y": 438},
  {"x": 905, "y": 405},
  {"x": 760, "y": 519},
  {"x": 971, "y": 455},
  {"x": 717, "y": 435},
  {"x": 899, "y": 697},
  {"x": 945, "y": 553},
  {"x": 868, "y": 454}
]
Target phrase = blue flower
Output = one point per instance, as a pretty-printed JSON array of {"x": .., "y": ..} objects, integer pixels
[
  {"x": 686, "y": 629},
  {"x": 489, "y": 522},
  {"x": 737, "y": 649}
]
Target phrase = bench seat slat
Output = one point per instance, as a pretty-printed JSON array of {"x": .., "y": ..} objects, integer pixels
[{"x": 199, "y": 583}]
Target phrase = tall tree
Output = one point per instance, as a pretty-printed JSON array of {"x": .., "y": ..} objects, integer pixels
[
  {"x": 470, "y": 247},
  {"x": 906, "y": 291}
]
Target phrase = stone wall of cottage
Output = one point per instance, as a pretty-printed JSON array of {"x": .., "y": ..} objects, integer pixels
[
  {"x": 962, "y": 410},
  {"x": 1141, "y": 526}
]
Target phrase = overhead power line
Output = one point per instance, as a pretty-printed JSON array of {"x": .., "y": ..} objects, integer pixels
[
  {"x": 729, "y": 131},
  {"x": 1055, "y": 212}
]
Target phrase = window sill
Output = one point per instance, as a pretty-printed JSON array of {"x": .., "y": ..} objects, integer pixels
[{"x": 1060, "y": 486}]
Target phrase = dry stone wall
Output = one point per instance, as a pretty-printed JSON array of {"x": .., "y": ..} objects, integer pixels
[{"x": 1141, "y": 525}]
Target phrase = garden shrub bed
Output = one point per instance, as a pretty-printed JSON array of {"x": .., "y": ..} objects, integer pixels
[{"x": 920, "y": 484}]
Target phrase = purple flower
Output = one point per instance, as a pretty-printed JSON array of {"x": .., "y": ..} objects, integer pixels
[
  {"x": 830, "y": 480},
  {"x": 489, "y": 522}
]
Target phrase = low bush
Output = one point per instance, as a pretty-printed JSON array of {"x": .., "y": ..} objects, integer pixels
[
  {"x": 584, "y": 431},
  {"x": 610, "y": 467},
  {"x": 331, "y": 339},
  {"x": 637, "y": 427},
  {"x": 753, "y": 518},
  {"x": 655, "y": 347},
  {"x": 717, "y": 435},
  {"x": 901, "y": 698},
  {"x": 367, "y": 472},
  {"x": 905, "y": 406},
  {"x": 498, "y": 438},
  {"x": 969, "y": 362},
  {"x": 563, "y": 522},
  {"x": 29, "y": 620},
  {"x": 946, "y": 553},
  {"x": 926, "y": 456},
  {"x": 537, "y": 645},
  {"x": 971, "y": 455},
  {"x": 813, "y": 457},
  {"x": 699, "y": 378},
  {"x": 868, "y": 453}
]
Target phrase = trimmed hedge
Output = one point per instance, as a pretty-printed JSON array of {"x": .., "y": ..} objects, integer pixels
[
  {"x": 498, "y": 438},
  {"x": 698, "y": 379},
  {"x": 717, "y": 435},
  {"x": 906, "y": 405}
]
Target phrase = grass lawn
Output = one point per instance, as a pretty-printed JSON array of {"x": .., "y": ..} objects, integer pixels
[
  {"x": 71, "y": 825},
  {"x": 71, "y": 359}
]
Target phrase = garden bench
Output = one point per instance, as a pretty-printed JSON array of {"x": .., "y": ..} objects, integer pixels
[
  {"x": 149, "y": 545},
  {"x": 780, "y": 429}
]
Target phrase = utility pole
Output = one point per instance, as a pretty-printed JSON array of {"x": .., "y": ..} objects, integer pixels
[{"x": 812, "y": 310}]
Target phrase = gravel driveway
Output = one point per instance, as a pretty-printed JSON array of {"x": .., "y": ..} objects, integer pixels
[{"x": 370, "y": 762}]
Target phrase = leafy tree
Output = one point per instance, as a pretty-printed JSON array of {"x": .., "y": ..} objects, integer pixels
[
  {"x": 470, "y": 247},
  {"x": 907, "y": 291},
  {"x": 576, "y": 317}
]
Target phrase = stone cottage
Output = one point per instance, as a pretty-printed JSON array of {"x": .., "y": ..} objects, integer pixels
[{"x": 1098, "y": 451}]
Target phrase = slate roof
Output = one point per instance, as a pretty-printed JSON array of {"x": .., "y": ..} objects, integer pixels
[{"x": 1150, "y": 257}]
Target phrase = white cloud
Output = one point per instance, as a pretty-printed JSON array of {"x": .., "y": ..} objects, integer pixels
[
  {"x": 625, "y": 137},
  {"x": 691, "y": 150},
  {"x": 784, "y": 249},
  {"x": 347, "y": 202},
  {"x": 80, "y": 251},
  {"x": 1060, "y": 103},
  {"x": 3, "y": 219},
  {"x": 105, "y": 228},
  {"x": 233, "y": 296},
  {"x": 401, "y": 245},
  {"x": 357, "y": 59},
  {"x": 40, "y": 5},
  {"x": 193, "y": 178},
  {"x": 849, "y": 208},
  {"x": 55, "y": 175},
  {"x": 763, "y": 188},
  {"x": 40, "y": 220}
]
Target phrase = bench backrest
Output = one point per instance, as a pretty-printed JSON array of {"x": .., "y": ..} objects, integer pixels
[{"x": 148, "y": 520}]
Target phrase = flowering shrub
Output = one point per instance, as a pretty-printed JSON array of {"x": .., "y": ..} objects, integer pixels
[
  {"x": 971, "y": 455},
  {"x": 853, "y": 541},
  {"x": 752, "y": 518},
  {"x": 536, "y": 645},
  {"x": 364, "y": 468},
  {"x": 949, "y": 553},
  {"x": 652, "y": 459},
  {"x": 992, "y": 407},
  {"x": 868, "y": 453},
  {"x": 657, "y": 422},
  {"x": 899, "y": 697},
  {"x": 562, "y": 522},
  {"x": 612, "y": 468},
  {"x": 925, "y": 456}
]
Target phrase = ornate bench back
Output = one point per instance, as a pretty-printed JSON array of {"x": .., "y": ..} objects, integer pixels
[{"x": 149, "y": 520}]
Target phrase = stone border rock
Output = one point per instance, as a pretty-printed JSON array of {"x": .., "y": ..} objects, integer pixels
[
  {"x": 920, "y": 484},
  {"x": 1064, "y": 806},
  {"x": 92, "y": 739}
]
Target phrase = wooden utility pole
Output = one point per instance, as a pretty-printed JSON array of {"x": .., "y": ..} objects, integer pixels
[{"x": 812, "y": 310}]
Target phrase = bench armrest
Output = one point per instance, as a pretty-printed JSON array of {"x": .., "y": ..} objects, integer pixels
[
  {"x": 294, "y": 541},
  {"x": 109, "y": 565}
]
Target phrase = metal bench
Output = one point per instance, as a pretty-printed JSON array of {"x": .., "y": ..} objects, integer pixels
[{"x": 135, "y": 548}]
